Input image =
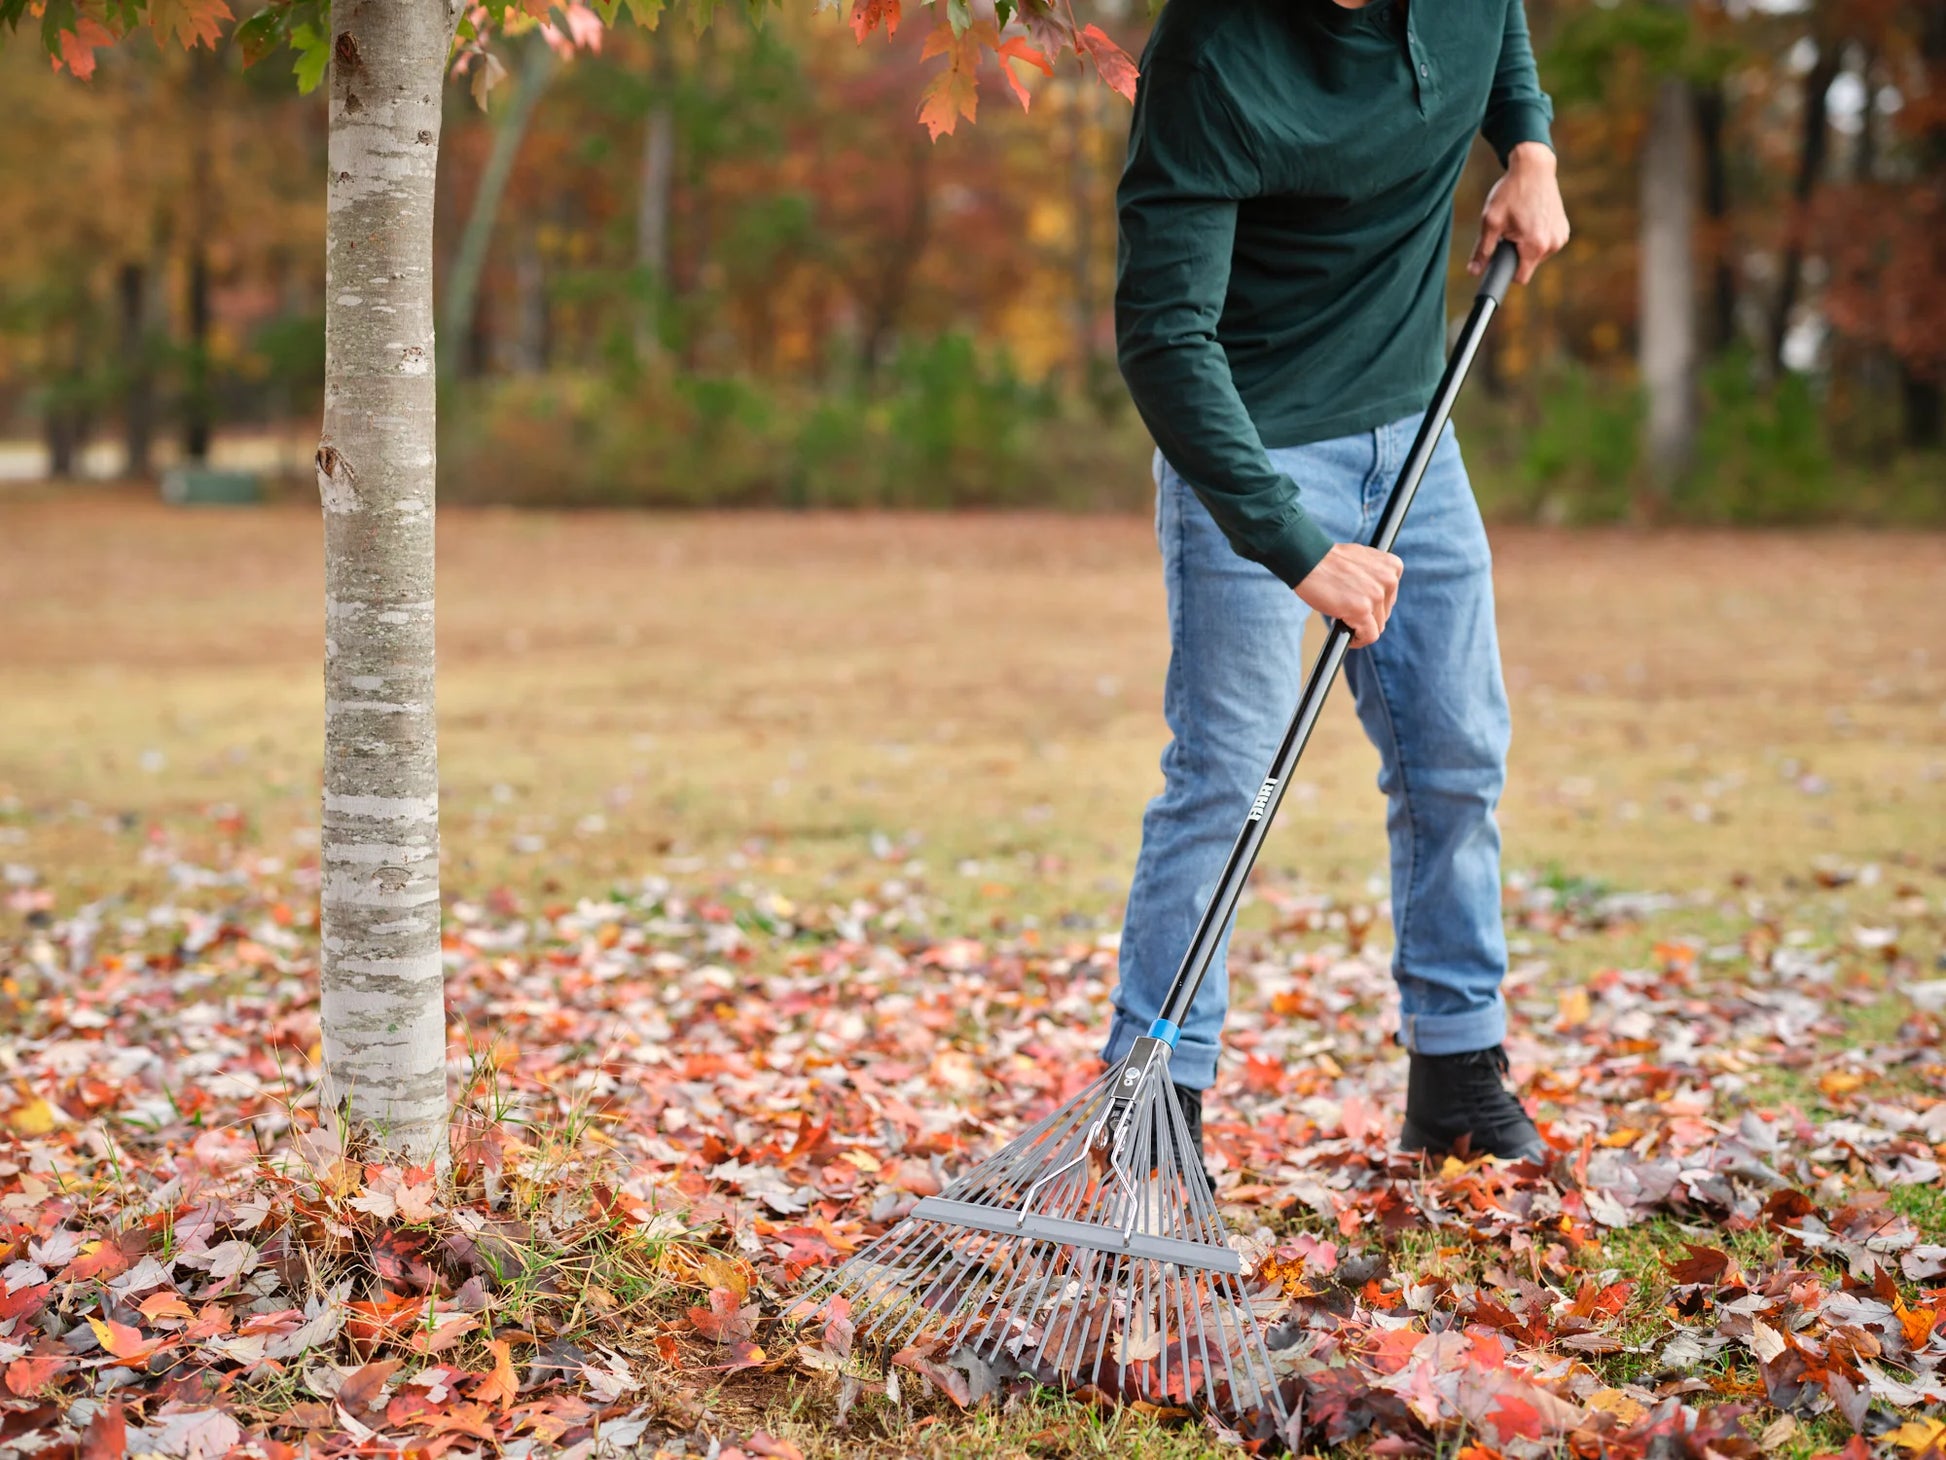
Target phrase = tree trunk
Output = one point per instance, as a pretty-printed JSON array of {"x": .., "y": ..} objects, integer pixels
[
  {"x": 1081, "y": 198},
  {"x": 656, "y": 201},
  {"x": 138, "y": 380},
  {"x": 885, "y": 293},
  {"x": 197, "y": 411},
  {"x": 1810, "y": 163},
  {"x": 531, "y": 324},
  {"x": 383, "y": 1007},
  {"x": 1711, "y": 112},
  {"x": 536, "y": 68},
  {"x": 1923, "y": 394},
  {"x": 1667, "y": 346},
  {"x": 1924, "y": 409}
]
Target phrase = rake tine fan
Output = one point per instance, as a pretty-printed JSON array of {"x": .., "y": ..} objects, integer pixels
[{"x": 1088, "y": 1250}]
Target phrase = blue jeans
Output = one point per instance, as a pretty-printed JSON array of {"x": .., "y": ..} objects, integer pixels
[{"x": 1430, "y": 697}]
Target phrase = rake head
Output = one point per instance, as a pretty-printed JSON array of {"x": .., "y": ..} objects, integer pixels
[{"x": 1086, "y": 1251}]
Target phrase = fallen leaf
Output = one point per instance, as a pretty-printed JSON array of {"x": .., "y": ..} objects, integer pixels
[
  {"x": 28, "y": 1376},
  {"x": 725, "y": 1320},
  {"x": 500, "y": 1386}
]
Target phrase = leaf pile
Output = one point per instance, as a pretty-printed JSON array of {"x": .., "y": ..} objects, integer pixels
[{"x": 678, "y": 1102}]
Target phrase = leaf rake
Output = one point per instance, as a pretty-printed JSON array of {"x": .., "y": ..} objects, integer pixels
[{"x": 1088, "y": 1250}]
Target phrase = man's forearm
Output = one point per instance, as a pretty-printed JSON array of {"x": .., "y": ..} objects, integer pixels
[{"x": 1183, "y": 391}]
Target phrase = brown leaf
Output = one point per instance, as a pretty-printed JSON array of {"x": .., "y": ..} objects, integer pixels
[
  {"x": 1703, "y": 1265},
  {"x": 364, "y": 1389},
  {"x": 951, "y": 1382},
  {"x": 839, "y": 1330},
  {"x": 106, "y": 1437},
  {"x": 449, "y": 1332}
]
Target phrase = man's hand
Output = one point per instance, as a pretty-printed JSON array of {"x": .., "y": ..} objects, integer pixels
[
  {"x": 1524, "y": 206},
  {"x": 1357, "y": 586}
]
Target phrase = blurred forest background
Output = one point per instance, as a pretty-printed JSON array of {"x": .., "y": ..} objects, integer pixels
[{"x": 732, "y": 269}]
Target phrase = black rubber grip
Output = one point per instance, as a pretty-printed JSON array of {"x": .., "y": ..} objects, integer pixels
[{"x": 1500, "y": 272}]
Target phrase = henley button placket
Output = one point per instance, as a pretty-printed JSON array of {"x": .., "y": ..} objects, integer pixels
[{"x": 1422, "y": 82}]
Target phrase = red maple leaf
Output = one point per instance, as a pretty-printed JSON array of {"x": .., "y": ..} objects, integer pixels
[
  {"x": 868, "y": 15},
  {"x": 726, "y": 1319},
  {"x": 1111, "y": 61}
]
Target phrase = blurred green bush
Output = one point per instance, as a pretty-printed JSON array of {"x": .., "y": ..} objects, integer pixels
[{"x": 949, "y": 426}]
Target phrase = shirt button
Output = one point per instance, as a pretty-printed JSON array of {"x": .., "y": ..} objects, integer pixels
[{"x": 1424, "y": 69}]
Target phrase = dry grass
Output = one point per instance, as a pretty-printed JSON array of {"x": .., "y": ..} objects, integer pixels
[
  {"x": 621, "y": 693},
  {"x": 988, "y": 685}
]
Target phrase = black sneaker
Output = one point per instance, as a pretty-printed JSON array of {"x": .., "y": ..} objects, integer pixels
[
  {"x": 1191, "y": 1102},
  {"x": 1455, "y": 1099}
]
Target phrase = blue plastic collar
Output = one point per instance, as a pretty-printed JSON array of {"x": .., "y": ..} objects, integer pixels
[{"x": 1163, "y": 1030}]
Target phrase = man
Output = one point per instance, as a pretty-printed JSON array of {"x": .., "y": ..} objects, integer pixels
[{"x": 1285, "y": 214}]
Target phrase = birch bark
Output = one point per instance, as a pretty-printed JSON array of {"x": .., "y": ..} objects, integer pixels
[{"x": 383, "y": 1009}]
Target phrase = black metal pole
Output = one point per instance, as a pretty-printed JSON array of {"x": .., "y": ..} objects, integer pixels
[{"x": 1243, "y": 856}]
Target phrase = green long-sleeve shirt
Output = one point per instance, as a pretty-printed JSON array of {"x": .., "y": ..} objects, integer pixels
[{"x": 1285, "y": 214}]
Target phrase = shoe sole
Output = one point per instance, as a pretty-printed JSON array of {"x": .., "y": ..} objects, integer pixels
[{"x": 1415, "y": 1142}]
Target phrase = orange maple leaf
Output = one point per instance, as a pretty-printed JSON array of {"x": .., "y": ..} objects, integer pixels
[
  {"x": 954, "y": 92},
  {"x": 1016, "y": 48},
  {"x": 78, "y": 46},
  {"x": 503, "y": 1383},
  {"x": 191, "y": 22},
  {"x": 950, "y": 95}
]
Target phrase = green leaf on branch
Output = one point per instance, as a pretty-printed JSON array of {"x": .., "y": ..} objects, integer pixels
[
  {"x": 960, "y": 14},
  {"x": 313, "y": 55},
  {"x": 258, "y": 36}
]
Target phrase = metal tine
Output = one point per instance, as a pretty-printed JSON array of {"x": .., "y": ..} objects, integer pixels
[
  {"x": 962, "y": 1261},
  {"x": 1057, "y": 1305}
]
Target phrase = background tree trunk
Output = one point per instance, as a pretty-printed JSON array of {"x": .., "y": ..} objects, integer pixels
[
  {"x": 197, "y": 407},
  {"x": 1813, "y": 136},
  {"x": 383, "y": 1009},
  {"x": 531, "y": 76},
  {"x": 1922, "y": 392},
  {"x": 137, "y": 378},
  {"x": 1667, "y": 273},
  {"x": 1081, "y": 199},
  {"x": 655, "y": 203},
  {"x": 1711, "y": 115}
]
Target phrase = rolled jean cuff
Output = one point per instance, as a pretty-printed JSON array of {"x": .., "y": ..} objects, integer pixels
[
  {"x": 1454, "y": 1033},
  {"x": 1193, "y": 1064}
]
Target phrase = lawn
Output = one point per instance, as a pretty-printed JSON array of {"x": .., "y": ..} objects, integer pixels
[{"x": 784, "y": 856}]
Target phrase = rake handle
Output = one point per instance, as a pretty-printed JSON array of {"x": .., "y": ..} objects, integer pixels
[{"x": 1324, "y": 673}]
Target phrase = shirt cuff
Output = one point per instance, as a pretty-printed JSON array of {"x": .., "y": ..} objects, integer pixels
[
  {"x": 1517, "y": 122},
  {"x": 1299, "y": 546}
]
